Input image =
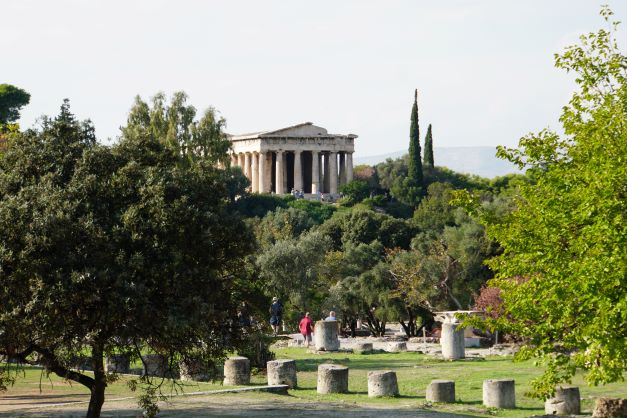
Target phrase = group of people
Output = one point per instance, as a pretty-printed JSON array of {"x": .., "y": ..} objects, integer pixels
[
  {"x": 298, "y": 194},
  {"x": 305, "y": 326}
]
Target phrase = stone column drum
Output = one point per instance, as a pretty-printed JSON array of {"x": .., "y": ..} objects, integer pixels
[
  {"x": 452, "y": 341},
  {"x": 499, "y": 393},
  {"x": 332, "y": 379},
  {"x": 236, "y": 371},
  {"x": 361, "y": 348},
  {"x": 282, "y": 372},
  {"x": 441, "y": 391},
  {"x": 118, "y": 363},
  {"x": 382, "y": 383},
  {"x": 154, "y": 365},
  {"x": 567, "y": 401},
  {"x": 397, "y": 346},
  {"x": 325, "y": 336},
  {"x": 194, "y": 370}
]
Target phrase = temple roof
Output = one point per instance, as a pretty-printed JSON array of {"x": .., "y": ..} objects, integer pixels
[{"x": 301, "y": 130}]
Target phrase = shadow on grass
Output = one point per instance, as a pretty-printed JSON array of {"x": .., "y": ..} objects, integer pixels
[{"x": 372, "y": 363}]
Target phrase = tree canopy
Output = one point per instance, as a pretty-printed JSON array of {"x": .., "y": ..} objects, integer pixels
[
  {"x": 12, "y": 99},
  {"x": 130, "y": 248},
  {"x": 563, "y": 270}
]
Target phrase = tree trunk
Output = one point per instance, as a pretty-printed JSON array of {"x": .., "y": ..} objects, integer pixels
[{"x": 100, "y": 383}]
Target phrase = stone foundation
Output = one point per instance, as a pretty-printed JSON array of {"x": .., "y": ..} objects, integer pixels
[
  {"x": 396, "y": 346},
  {"x": 499, "y": 393},
  {"x": 155, "y": 365},
  {"x": 325, "y": 336},
  {"x": 282, "y": 372},
  {"x": 566, "y": 402},
  {"x": 236, "y": 371},
  {"x": 118, "y": 363},
  {"x": 382, "y": 383},
  {"x": 332, "y": 379},
  {"x": 441, "y": 391}
]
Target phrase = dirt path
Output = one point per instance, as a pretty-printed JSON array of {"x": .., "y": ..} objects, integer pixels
[{"x": 228, "y": 405}]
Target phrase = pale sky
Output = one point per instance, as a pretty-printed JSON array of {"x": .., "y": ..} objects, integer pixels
[{"x": 483, "y": 69}]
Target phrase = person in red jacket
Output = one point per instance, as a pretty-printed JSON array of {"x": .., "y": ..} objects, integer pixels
[{"x": 306, "y": 328}]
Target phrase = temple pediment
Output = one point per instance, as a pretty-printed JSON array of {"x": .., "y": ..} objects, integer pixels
[{"x": 306, "y": 129}]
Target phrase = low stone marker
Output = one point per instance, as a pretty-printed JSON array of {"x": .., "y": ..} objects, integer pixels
[
  {"x": 332, "y": 379},
  {"x": 325, "y": 336},
  {"x": 282, "y": 372},
  {"x": 193, "y": 370},
  {"x": 441, "y": 391},
  {"x": 361, "y": 348},
  {"x": 567, "y": 401},
  {"x": 382, "y": 383},
  {"x": 397, "y": 346},
  {"x": 155, "y": 365},
  {"x": 499, "y": 393},
  {"x": 452, "y": 341},
  {"x": 236, "y": 371},
  {"x": 610, "y": 408},
  {"x": 118, "y": 363}
]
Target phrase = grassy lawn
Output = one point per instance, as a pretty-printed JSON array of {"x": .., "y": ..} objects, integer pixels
[{"x": 414, "y": 372}]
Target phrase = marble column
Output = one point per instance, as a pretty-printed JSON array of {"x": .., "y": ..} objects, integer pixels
[
  {"x": 254, "y": 171},
  {"x": 240, "y": 161},
  {"x": 298, "y": 171},
  {"x": 349, "y": 167},
  {"x": 247, "y": 165},
  {"x": 342, "y": 168},
  {"x": 261, "y": 173},
  {"x": 233, "y": 160},
  {"x": 278, "y": 181},
  {"x": 325, "y": 173},
  {"x": 315, "y": 173},
  {"x": 333, "y": 173},
  {"x": 285, "y": 173}
]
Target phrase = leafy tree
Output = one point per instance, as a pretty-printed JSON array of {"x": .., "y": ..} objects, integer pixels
[
  {"x": 566, "y": 241},
  {"x": 282, "y": 224},
  {"x": 121, "y": 249},
  {"x": 428, "y": 158},
  {"x": 12, "y": 99},
  {"x": 415, "y": 159},
  {"x": 291, "y": 267},
  {"x": 355, "y": 191},
  {"x": 317, "y": 211}
]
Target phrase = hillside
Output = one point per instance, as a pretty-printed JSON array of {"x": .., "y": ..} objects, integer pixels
[{"x": 473, "y": 160}]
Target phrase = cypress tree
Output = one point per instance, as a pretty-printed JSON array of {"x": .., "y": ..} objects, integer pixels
[
  {"x": 428, "y": 158},
  {"x": 415, "y": 160}
]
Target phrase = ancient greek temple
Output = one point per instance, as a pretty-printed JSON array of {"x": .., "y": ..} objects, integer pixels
[{"x": 302, "y": 157}]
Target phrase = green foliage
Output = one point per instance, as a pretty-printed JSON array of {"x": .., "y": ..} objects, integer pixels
[
  {"x": 428, "y": 158},
  {"x": 258, "y": 205},
  {"x": 365, "y": 226},
  {"x": 290, "y": 268},
  {"x": 415, "y": 159},
  {"x": 563, "y": 270},
  {"x": 355, "y": 191},
  {"x": 282, "y": 224},
  {"x": 174, "y": 125},
  {"x": 317, "y": 211},
  {"x": 103, "y": 249},
  {"x": 12, "y": 99}
]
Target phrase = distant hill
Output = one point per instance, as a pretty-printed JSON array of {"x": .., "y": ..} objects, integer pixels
[{"x": 472, "y": 160}]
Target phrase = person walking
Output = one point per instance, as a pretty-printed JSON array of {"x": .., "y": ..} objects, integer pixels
[
  {"x": 306, "y": 328},
  {"x": 331, "y": 317},
  {"x": 276, "y": 314}
]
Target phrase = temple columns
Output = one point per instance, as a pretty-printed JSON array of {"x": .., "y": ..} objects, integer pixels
[
  {"x": 247, "y": 165},
  {"x": 349, "y": 166},
  {"x": 278, "y": 181},
  {"x": 333, "y": 172},
  {"x": 298, "y": 171},
  {"x": 315, "y": 173},
  {"x": 240, "y": 161},
  {"x": 254, "y": 172},
  {"x": 342, "y": 168},
  {"x": 262, "y": 173}
]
